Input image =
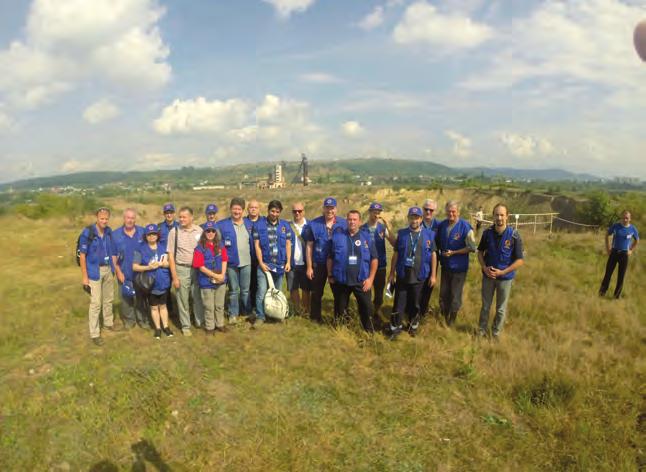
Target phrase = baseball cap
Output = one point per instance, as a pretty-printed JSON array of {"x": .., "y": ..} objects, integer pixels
[
  {"x": 211, "y": 208},
  {"x": 376, "y": 206},
  {"x": 209, "y": 225},
  {"x": 151, "y": 228},
  {"x": 417, "y": 211},
  {"x": 169, "y": 207},
  {"x": 329, "y": 202},
  {"x": 127, "y": 289}
]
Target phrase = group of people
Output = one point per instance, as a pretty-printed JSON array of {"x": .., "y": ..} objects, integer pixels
[{"x": 242, "y": 255}]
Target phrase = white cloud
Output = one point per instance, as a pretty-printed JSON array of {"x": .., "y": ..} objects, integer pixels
[
  {"x": 373, "y": 19},
  {"x": 577, "y": 42},
  {"x": 525, "y": 145},
  {"x": 202, "y": 116},
  {"x": 73, "y": 165},
  {"x": 423, "y": 24},
  {"x": 320, "y": 78},
  {"x": 352, "y": 128},
  {"x": 71, "y": 41},
  {"x": 285, "y": 8},
  {"x": 103, "y": 110},
  {"x": 461, "y": 144}
]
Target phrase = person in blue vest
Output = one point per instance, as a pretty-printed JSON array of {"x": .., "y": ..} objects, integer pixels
[
  {"x": 273, "y": 245},
  {"x": 127, "y": 239},
  {"x": 500, "y": 254},
  {"x": 211, "y": 212},
  {"x": 210, "y": 258},
  {"x": 317, "y": 234},
  {"x": 625, "y": 238},
  {"x": 98, "y": 258},
  {"x": 236, "y": 237},
  {"x": 351, "y": 266},
  {"x": 379, "y": 231},
  {"x": 169, "y": 222},
  {"x": 455, "y": 240},
  {"x": 431, "y": 223},
  {"x": 151, "y": 256},
  {"x": 414, "y": 263}
]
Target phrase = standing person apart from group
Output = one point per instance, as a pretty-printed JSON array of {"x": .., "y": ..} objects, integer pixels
[
  {"x": 181, "y": 245},
  {"x": 455, "y": 240},
  {"x": 500, "y": 254},
  {"x": 625, "y": 238}
]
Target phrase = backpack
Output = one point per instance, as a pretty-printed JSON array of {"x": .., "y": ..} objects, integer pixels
[
  {"x": 91, "y": 236},
  {"x": 275, "y": 302},
  {"x": 144, "y": 282}
]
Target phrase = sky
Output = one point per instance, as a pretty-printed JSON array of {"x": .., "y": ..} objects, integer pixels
[{"x": 157, "y": 84}]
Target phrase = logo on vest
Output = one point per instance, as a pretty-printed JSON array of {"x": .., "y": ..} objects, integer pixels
[
  {"x": 507, "y": 243},
  {"x": 457, "y": 236},
  {"x": 357, "y": 243}
]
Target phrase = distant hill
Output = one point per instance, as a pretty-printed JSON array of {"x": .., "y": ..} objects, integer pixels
[{"x": 375, "y": 168}]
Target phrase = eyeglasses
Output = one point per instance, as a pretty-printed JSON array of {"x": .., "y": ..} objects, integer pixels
[
  {"x": 297, "y": 211},
  {"x": 430, "y": 210}
]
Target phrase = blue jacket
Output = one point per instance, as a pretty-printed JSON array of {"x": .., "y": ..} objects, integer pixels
[
  {"x": 249, "y": 224},
  {"x": 211, "y": 262},
  {"x": 316, "y": 231},
  {"x": 97, "y": 250},
  {"x": 284, "y": 233},
  {"x": 162, "y": 274},
  {"x": 378, "y": 237},
  {"x": 454, "y": 241},
  {"x": 164, "y": 229},
  {"x": 340, "y": 252},
  {"x": 499, "y": 255},
  {"x": 403, "y": 249},
  {"x": 230, "y": 241},
  {"x": 126, "y": 246}
]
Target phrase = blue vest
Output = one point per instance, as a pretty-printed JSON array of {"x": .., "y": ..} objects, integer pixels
[
  {"x": 211, "y": 262},
  {"x": 403, "y": 249},
  {"x": 316, "y": 231},
  {"x": 283, "y": 233},
  {"x": 378, "y": 237},
  {"x": 454, "y": 241},
  {"x": 162, "y": 274},
  {"x": 126, "y": 247},
  {"x": 96, "y": 250},
  {"x": 340, "y": 252},
  {"x": 499, "y": 254},
  {"x": 230, "y": 241},
  {"x": 164, "y": 229},
  {"x": 249, "y": 225}
]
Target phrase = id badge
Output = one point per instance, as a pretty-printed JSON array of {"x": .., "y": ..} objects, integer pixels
[
  {"x": 274, "y": 250},
  {"x": 227, "y": 242},
  {"x": 409, "y": 262},
  {"x": 352, "y": 260},
  {"x": 319, "y": 249},
  {"x": 106, "y": 259}
]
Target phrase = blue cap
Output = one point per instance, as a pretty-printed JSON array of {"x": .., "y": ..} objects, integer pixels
[
  {"x": 417, "y": 211},
  {"x": 150, "y": 229},
  {"x": 329, "y": 202},
  {"x": 211, "y": 208},
  {"x": 127, "y": 289},
  {"x": 209, "y": 225},
  {"x": 169, "y": 207},
  {"x": 376, "y": 206}
]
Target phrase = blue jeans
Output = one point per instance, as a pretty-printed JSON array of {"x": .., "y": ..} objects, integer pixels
[
  {"x": 239, "y": 282},
  {"x": 262, "y": 290}
]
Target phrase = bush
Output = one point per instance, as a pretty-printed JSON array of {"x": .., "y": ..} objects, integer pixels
[
  {"x": 598, "y": 209},
  {"x": 47, "y": 205}
]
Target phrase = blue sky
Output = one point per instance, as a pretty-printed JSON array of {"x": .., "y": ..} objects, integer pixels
[{"x": 141, "y": 84}]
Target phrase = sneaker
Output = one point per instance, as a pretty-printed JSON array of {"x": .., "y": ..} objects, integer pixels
[
  {"x": 97, "y": 341},
  {"x": 233, "y": 320},
  {"x": 482, "y": 333},
  {"x": 158, "y": 334},
  {"x": 187, "y": 332},
  {"x": 258, "y": 323},
  {"x": 167, "y": 332}
]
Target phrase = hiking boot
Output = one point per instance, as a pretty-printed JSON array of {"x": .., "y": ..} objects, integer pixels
[
  {"x": 482, "y": 333},
  {"x": 167, "y": 332},
  {"x": 114, "y": 328},
  {"x": 209, "y": 332},
  {"x": 97, "y": 341},
  {"x": 158, "y": 334},
  {"x": 450, "y": 320},
  {"x": 187, "y": 332}
]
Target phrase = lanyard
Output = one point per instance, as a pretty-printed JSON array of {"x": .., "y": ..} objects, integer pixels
[{"x": 413, "y": 243}]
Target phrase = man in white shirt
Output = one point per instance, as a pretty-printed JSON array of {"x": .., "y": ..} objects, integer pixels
[{"x": 297, "y": 277}]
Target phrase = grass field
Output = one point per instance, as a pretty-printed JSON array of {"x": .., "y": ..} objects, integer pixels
[{"x": 563, "y": 390}]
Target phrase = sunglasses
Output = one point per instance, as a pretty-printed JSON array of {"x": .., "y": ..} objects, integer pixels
[
  {"x": 210, "y": 231},
  {"x": 430, "y": 210},
  {"x": 297, "y": 211}
]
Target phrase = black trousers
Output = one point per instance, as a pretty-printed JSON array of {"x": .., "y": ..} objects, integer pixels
[
  {"x": 378, "y": 287},
  {"x": 318, "y": 287},
  {"x": 425, "y": 297},
  {"x": 615, "y": 258},
  {"x": 253, "y": 284},
  {"x": 342, "y": 298},
  {"x": 451, "y": 287},
  {"x": 408, "y": 302}
]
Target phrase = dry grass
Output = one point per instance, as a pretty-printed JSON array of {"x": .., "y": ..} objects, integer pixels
[{"x": 564, "y": 389}]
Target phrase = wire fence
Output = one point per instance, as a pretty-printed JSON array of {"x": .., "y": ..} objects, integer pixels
[{"x": 544, "y": 221}]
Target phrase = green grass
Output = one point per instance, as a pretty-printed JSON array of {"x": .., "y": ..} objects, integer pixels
[{"x": 563, "y": 390}]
